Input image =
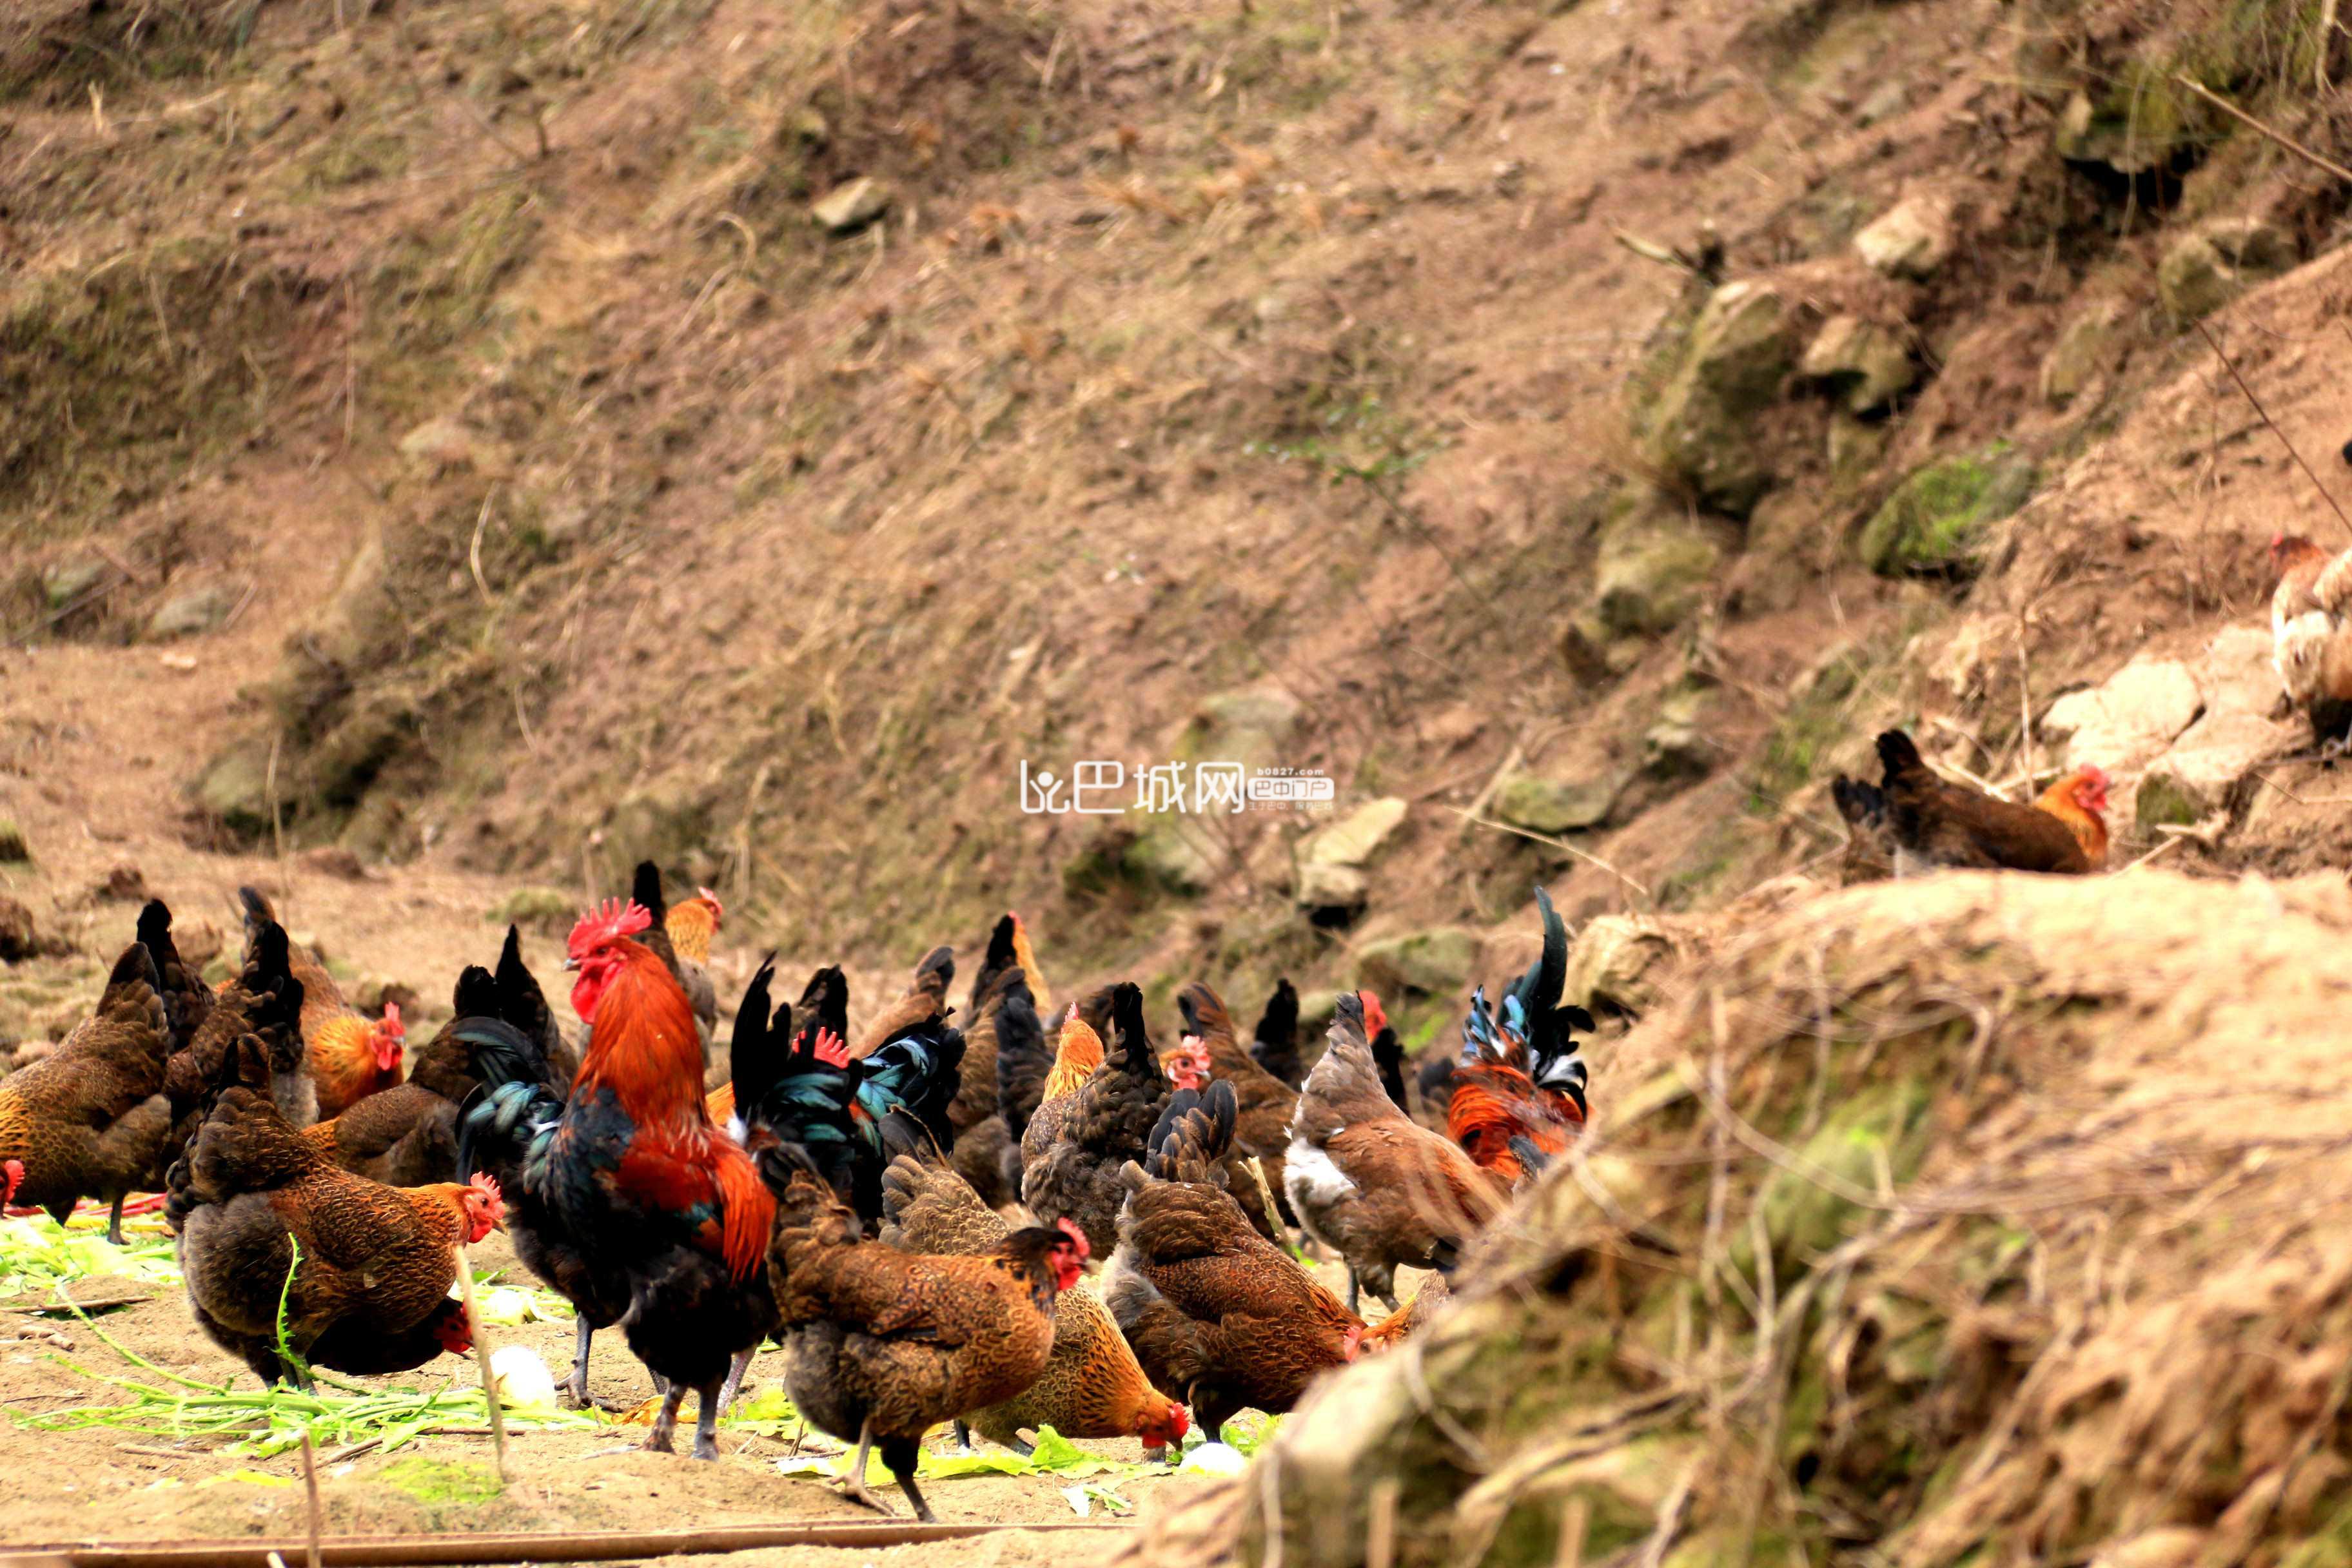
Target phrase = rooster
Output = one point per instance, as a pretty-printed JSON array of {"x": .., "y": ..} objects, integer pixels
[
  {"x": 1004, "y": 1049},
  {"x": 1108, "y": 1123},
  {"x": 2310, "y": 647},
  {"x": 370, "y": 1291},
  {"x": 887, "y": 1344},
  {"x": 1274, "y": 1043},
  {"x": 1518, "y": 1093},
  {"x": 1928, "y": 823},
  {"x": 1219, "y": 1316},
  {"x": 1091, "y": 1386},
  {"x": 629, "y": 1175},
  {"x": 352, "y": 1056},
  {"x": 1368, "y": 1182}
]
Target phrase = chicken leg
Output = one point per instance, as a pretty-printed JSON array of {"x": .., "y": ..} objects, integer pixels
[
  {"x": 852, "y": 1485},
  {"x": 658, "y": 1441},
  {"x": 578, "y": 1383},
  {"x": 707, "y": 1403},
  {"x": 114, "y": 1221},
  {"x": 734, "y": 1384},
  {"x": 902, "y": 1455}
]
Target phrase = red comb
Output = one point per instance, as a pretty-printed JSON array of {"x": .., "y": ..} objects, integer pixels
[
  {"x": 717, "y": 909},
  {"x": 390, "y": 1024},
  {"x": 1374, "y": 1019},
  {"x": 606, "y": 922},
  {"x": 1078, "y": 1238},
  {"x": 832, "y": 1049}
]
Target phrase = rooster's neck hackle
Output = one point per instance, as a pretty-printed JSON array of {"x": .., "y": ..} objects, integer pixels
[{"x": 644, "y": 1047}]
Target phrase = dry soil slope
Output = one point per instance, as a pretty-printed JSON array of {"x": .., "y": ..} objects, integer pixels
[{"x": 1970, "y": 1222}]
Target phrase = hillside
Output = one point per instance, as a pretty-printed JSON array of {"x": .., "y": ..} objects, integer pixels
[{"x": 447, "y": 432}]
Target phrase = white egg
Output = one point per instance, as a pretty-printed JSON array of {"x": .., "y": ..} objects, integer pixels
[
  {"x": 522, "y": 1379},
  {"x": 1216, "y": 1459}
]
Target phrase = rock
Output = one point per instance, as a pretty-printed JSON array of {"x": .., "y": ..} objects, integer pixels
[
  {"x": 13, "y": 850},
  {"x": 1888, "y": 99},
  {"x": 233, "y": 789},
  {"x": 1651, "y": 569},
  {"x": 448, "y": 443},
  {"x": 1592, "y": 655},
  {"x": 1541, "y": 804},
  {"x": 2124, "y": 724},
  {"x": 1432, "y": 963},
  {"x": 1934, "y": 523},
  {"x": 1911, "y": 240},
  {"x": 2220, "y": 260},
  {"x": 550, "y": 908},
  {"x": 333, "y": 861},
  {"x": 1855, "y": 446},
  {"x": 2166, "y": 1546},
  {"x": 125, "y": 884},
  {"x": 1172, "y": 857},
  {"x": 2089, "y": 346},
  {"x": 68, "y": 582},
  {"x": 2120, "y": 133},
  {"x": 852, "y": 205},
  {"x": 1316, "y": 1011},
  {"x": 2202, "y": 773},
  {"x": 1356, "y": 837},
  {"x": 1618, "y": 962},
  {"x": 1325, "y": 886},
  {"x": 1253, "y": 726},
  {"x": 1867, "y": 365},
  {"x": 17, "y": 939},
  {"x": 1677, "y": 745},
  {"x": 808, "y": 128},
  {"x": 345, "y": 761},
  {"x": 192, "y": 614},
  {"x": 1703, "y": 426},
  {"x": 2235, "y": 673}
]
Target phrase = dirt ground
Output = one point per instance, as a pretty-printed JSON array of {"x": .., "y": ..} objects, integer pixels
[{"x": 62, "y": 1486}]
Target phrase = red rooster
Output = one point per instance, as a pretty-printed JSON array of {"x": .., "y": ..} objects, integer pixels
[
  {"x": 1519, "y": 1090},
  {"x": 645, "y": 1188}
]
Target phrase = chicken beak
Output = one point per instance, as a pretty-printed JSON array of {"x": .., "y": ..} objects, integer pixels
[{"x": 570, "y": 963}]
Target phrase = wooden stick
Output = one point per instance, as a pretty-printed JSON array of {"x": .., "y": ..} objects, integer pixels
[
  {"x": 482, "y": 1359},
  {"x": 2291, "y": 146},
  {"x": 554, "y": 1546},
  {"x": 2257, "y": 402},
  {"x": 1555, "y": 842},
  {"x": 316, "y": 1510}
]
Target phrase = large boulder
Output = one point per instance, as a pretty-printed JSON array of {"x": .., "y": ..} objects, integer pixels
[
  {"x": 1910, "y": 240},
  {"x": 2218, "y": 261},
  {"x": 1618, "y": 962},
  {"x": 1542, "y": 804},
  {"x": 2125, "y": 722},
  {"x": 1652, "y": 571},
  {"x": 234, "y": 788},
  {"x": 1866, "y": 367},
  {"x": 1356, "y": 837},
  {"x": 2090, "y": 346},
  {"x": 193, "y": 614},
  {"x": 1431, "y": 963},
  {"x": 1935, "y": 522},
  {"x": 1702, "y": 427}
]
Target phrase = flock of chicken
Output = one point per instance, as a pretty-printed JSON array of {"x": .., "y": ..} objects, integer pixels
[{"x": 847, "y": 1200}]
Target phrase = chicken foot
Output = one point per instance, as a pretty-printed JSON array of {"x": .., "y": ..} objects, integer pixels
[
  {"x": 852, "y": 1485},
  {"x": 707, "y": 1403}
]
